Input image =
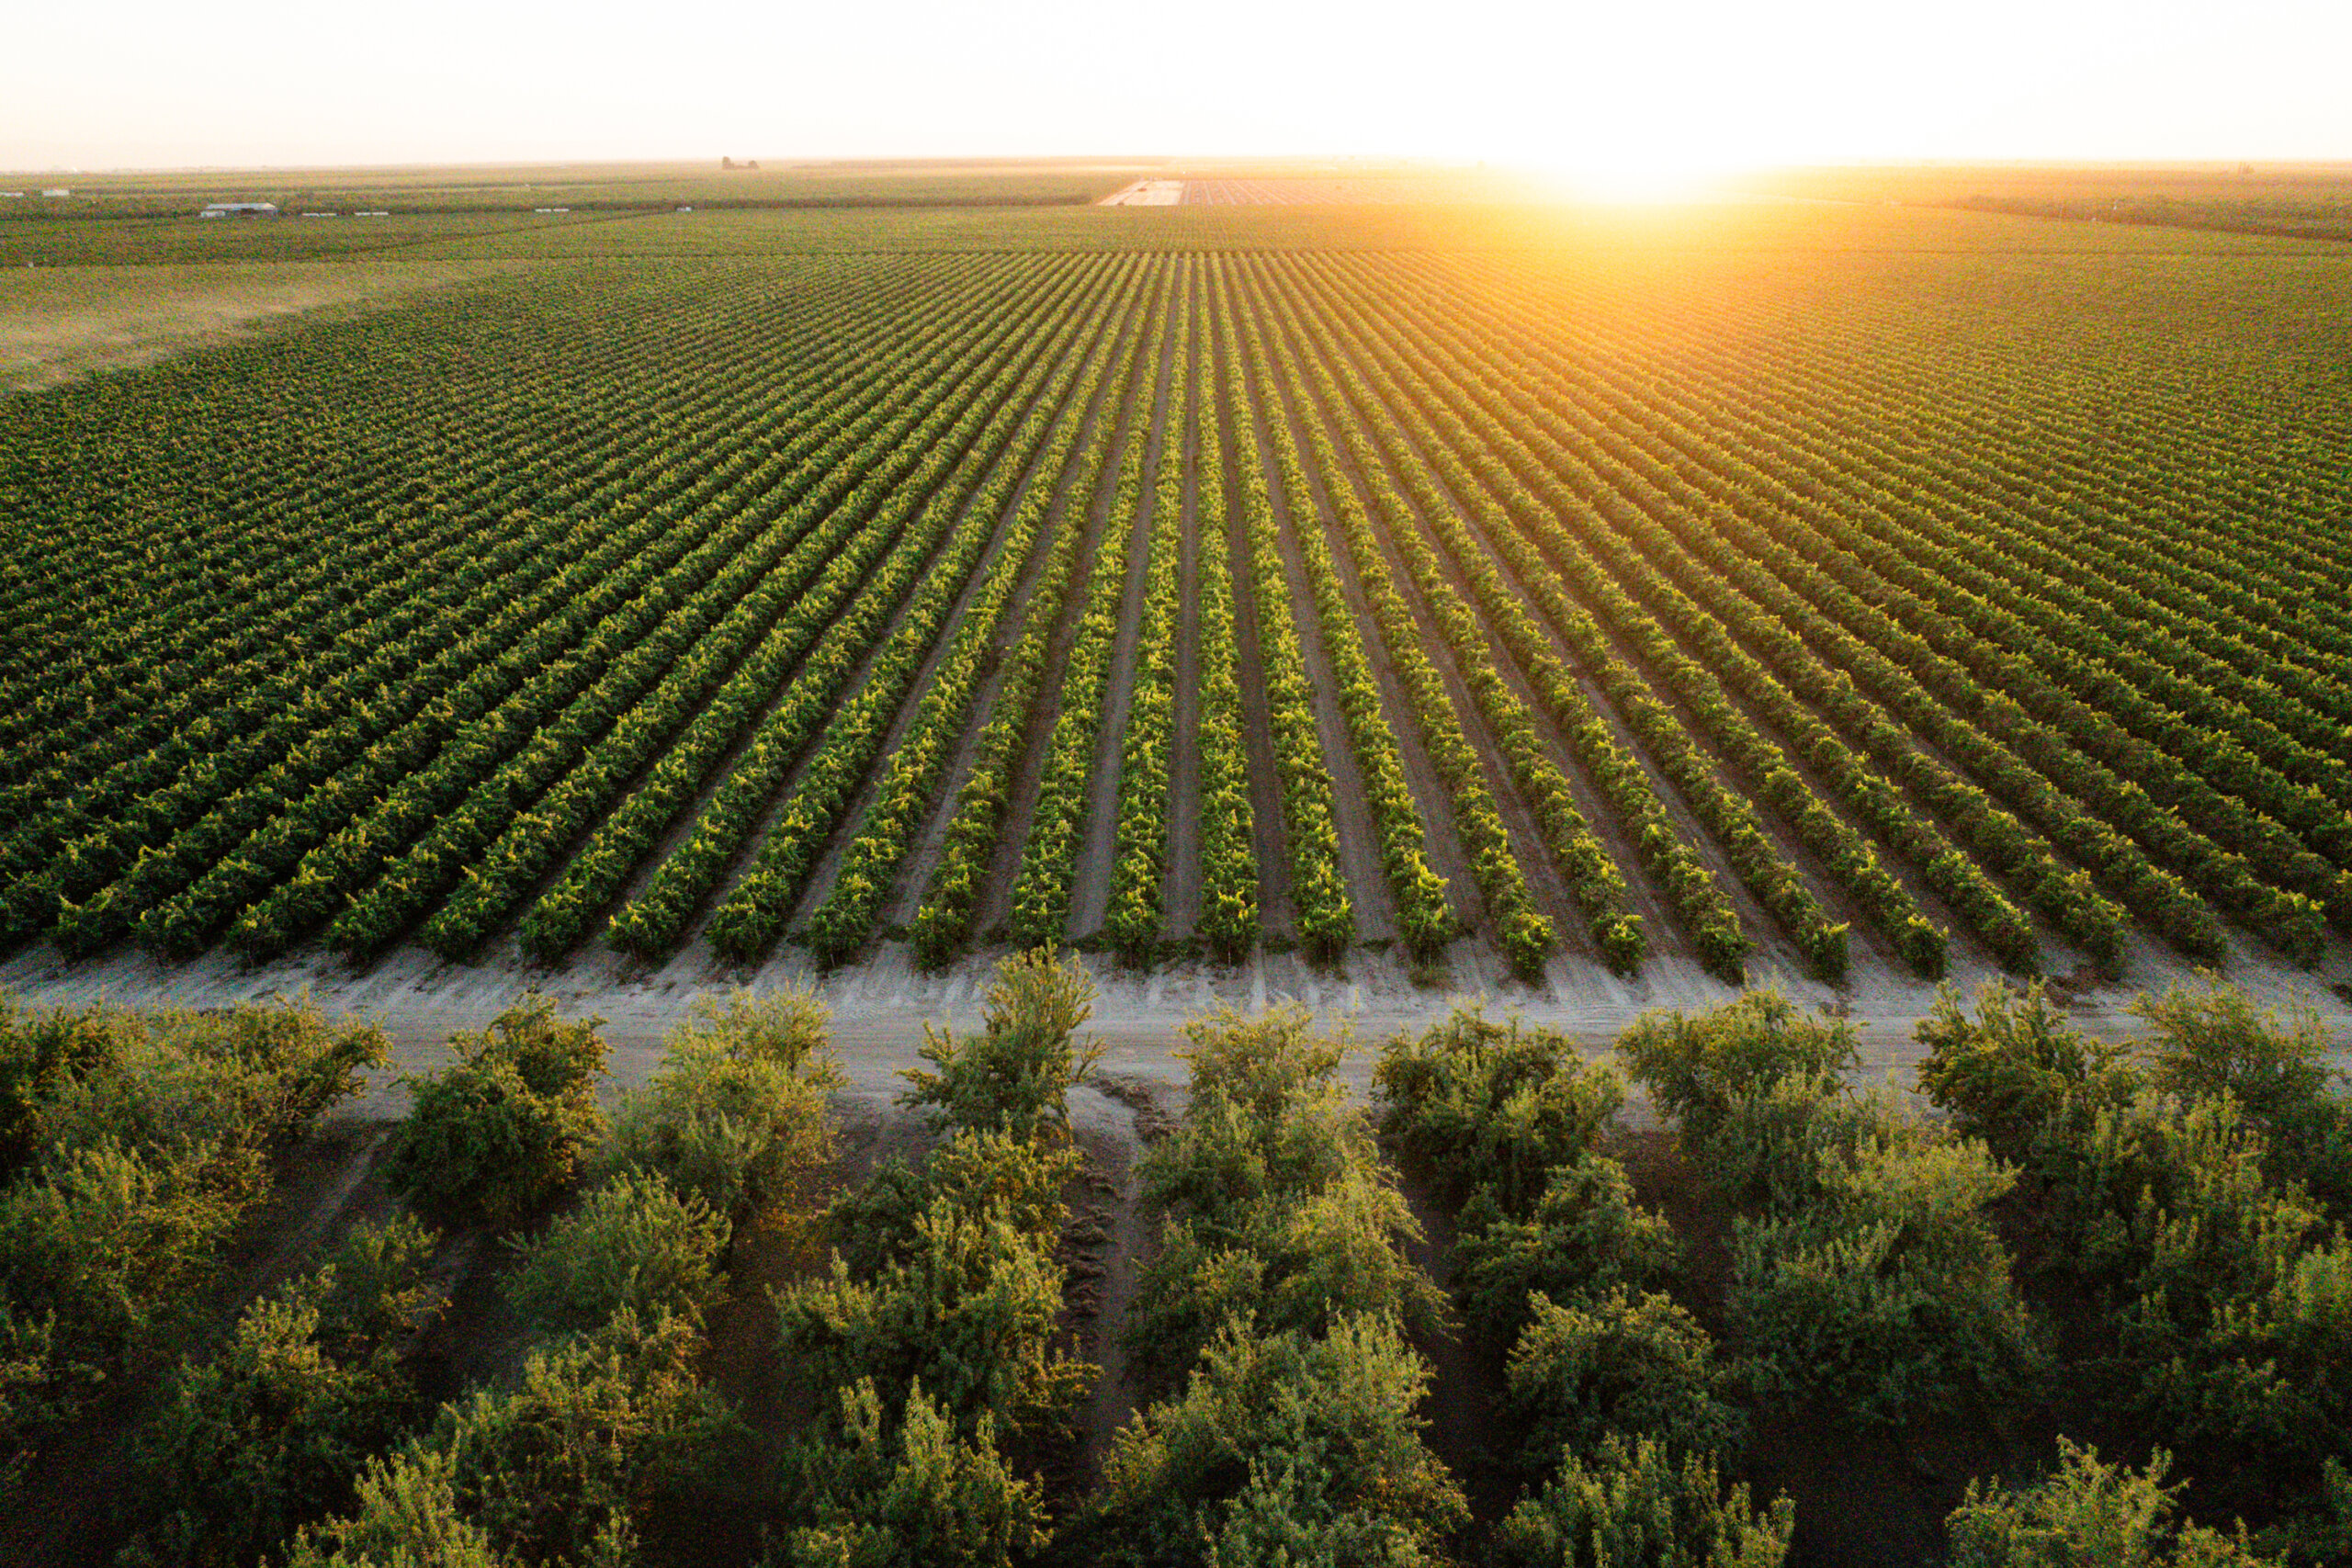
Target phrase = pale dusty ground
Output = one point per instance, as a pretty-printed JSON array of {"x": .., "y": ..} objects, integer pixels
[
  {"x": 61, "y": 323},
  {"x": 1147, "y": 193},
  {"x": 881, "y": 1007}
]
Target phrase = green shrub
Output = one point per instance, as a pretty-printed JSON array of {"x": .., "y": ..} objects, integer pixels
[
  {"x": 406, "y": 1516},
  {"x": 2087, "y": 1513},
  {"x": 606, "y": 1427},
  {"x": 1697, "y": 1066},
  {"x": 1631, "y": 1366},
  {"x": 921, "y": 1498},
  {"x": 1274, "y": 1199},
  {"x": 1013, "y": 1077},
  {"x": 270, "y": 1432},
  {"x": 736, "y": 1114},
  {"x": 872, "y": 1224},
  {"x": 1586, "y": 1236},
  {"x": 111, "y": 1242},
  {"x": 239, "y": 1081},
  {"x": 968, "y": 1309},
  {"x": 1636, "y": 1505},
  {"x": 1493, "y": 1105},
  {"x": 2015, "y": 1075},
  {"x": 633, "y": 1245},
  {"x": 1297, "y": 1262},
  {"x": 492, "y": 1137},
  {"x": 2212, "y": 1040},
  {"x": 1280, "y": 1443},
  {"x": 42, "y": 1055},
  {"x": 1892, "y": 1289}
]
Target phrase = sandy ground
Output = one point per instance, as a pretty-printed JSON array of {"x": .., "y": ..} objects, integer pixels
[
  {"x": 58, "y": 323},
  {"x": 1147, "y": 193},
  {"x": 881, "y": 1007}
]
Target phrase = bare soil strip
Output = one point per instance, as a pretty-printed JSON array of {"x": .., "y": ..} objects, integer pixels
[
  {"x": 690, "y": 934},
  {"x": 1269, "y": 833},
  {"x": 1547, "y": 887},
  {"x": 829, "y": 864},
  {"x": 1776, "y": 951}
]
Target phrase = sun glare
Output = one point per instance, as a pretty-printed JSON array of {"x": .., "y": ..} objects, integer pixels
[{"x": 1635, "y": 181}]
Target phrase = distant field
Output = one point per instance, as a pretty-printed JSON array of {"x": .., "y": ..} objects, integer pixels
[
  {"x": 583, "y": 187},
  {"x": 1834, "y": 591},
  {"x": 2303, "y": 201}
]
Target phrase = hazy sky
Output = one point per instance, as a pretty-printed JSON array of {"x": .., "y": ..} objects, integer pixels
[{"x": 1628, "y": 83}]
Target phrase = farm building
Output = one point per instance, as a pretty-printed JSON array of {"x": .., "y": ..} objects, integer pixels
[{"x": 239, "y": 210}]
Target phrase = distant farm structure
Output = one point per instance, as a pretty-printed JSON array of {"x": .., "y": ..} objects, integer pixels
[{"x": 239, "y": 210}]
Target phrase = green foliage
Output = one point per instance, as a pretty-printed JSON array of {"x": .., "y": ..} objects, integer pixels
[
  {"x": 1639, "y": 1505},
  {"x": 1282, "y": 1444},
  {"x": 2015, "y": 1075},
  {"x": 1697, "y": 1066},
  {"x": 494, "y": 1135},
  {"x": 270, "y": 1432},
  {"x": 967, "y": 1307},
  {"x": 634, "y": 1244},
  {"x": 238, "y": 1082},
  {"x": 406, "y": 1515},
  {"x": 1013, "y": 1077},
  {"x": 1496, "y": 1104},
  {"x": 1584, "y": 1235},
  {"x": 2087, "y": 1513},
  {"x": 736, "y": 1113},
  {"x": 873, "y": 1222},
  {"x": 1890, "y": 1291},
  {"x": 1617, "y": 1366},
  {"x": 137, "y": 1142},
  {"x": 1275, "y": 1201},
  {"x": 604, "y": 1426},
  {"x": 112, "y": 1242},
  {"x": 921, "y": 1498},
  {"x": 2212, "y": 1040},
  {"x": 42, "y": 1057},
  {"x": 1867, "y": 1271}
]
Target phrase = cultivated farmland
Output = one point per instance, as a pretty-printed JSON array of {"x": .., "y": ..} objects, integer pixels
[
  {"x": 1601, "y": 606},
  {"x": 1611, "y": 616}
]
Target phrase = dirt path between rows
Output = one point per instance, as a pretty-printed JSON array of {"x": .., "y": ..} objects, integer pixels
[
  {"x": 1269, "y": 829},
  {"x": 1547, "y": 887}
]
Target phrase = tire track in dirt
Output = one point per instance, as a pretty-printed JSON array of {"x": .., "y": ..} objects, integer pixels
[{"x": 1090, "y": 894}]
